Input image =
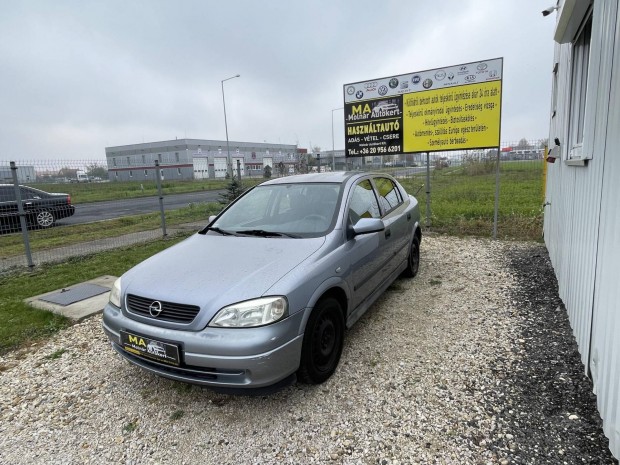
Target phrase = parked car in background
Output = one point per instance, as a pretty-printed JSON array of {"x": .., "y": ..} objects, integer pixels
[
  {"x": 42, "y": 209},
  {"x": 264, "y": 293}
]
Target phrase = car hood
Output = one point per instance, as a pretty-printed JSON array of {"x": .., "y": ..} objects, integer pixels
[{"x": 213, "y": 271}]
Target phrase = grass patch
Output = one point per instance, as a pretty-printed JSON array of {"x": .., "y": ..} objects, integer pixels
[
  {"x": 463, "y": 199},
  {"x": 21, "y": 324},
  {"x": 130, "y": 427},
  {"x": 123, "y": 190},
  {"x": 55, "y": 355},
  {"x": 177, "y": 415},
  {"x": 12, "y": 245}
]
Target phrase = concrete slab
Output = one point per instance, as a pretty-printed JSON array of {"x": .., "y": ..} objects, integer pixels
[{"x": 78, "y": 310}]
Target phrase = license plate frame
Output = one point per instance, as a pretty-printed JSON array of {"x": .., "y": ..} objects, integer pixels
[{"x": 151, "y": 349}]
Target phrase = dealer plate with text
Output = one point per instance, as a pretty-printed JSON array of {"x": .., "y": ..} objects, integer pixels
[{"x": 151, "y": 349}]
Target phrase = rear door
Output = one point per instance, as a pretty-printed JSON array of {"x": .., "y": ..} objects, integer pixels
[{"x": 397, "y": 225}]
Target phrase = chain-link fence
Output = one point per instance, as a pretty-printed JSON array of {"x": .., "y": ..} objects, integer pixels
[{"x": 53, "y": 210}]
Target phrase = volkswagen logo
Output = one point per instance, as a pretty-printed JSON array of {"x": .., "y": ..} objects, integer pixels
[
  {"x": 383, "y": 90},
  {"x": 155, "y": 309}
]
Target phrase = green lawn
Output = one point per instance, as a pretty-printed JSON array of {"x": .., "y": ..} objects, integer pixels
[
  {"x": 463, "y": 199},
  {"x": 21, "y": 324}
]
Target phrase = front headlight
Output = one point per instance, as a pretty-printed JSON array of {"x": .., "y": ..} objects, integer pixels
[
  {"x": 115, "y": 294},
  {"x": 251, "y": 313}
]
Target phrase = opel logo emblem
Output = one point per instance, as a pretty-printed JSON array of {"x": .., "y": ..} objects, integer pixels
[{"x": 155, "y": 309}]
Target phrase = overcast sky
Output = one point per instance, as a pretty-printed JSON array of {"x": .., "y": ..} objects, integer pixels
[{"x": 78, "y": 76}]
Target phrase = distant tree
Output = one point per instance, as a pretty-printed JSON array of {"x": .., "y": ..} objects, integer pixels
[
  {"x": 233, "y": 190},
  {"x": 66, "y": 172},
  {"x": 96, "y": 171},
  {"x": 542, "y": 143},
  {"x": 523, "y": 144},
  {"x": 267, "y": 172}
]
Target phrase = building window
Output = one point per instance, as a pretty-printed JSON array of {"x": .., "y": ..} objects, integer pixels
[
  {"x": 176, "y": 156},
  {"x": 143, "y": 159},
  {"x": 128, "y": 161},
  {"x": 579, "y": 86}
]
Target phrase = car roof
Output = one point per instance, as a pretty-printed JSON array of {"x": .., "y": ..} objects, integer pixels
[{"x": 339, "y": 177}]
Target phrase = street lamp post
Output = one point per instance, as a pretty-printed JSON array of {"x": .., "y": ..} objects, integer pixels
[
  {"x": 333, "y": 149},
  {"x": 228, "y": 159}
]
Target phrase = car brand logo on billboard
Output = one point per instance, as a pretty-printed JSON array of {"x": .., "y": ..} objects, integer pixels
[
  {"x": 450, "y": 76},
  {"x": 383, "y": 90},
  {"x": 404, "y": 85},
  {"x": 359, "y": 94},
  {"x": 482, "y": 66},
  {"x": 370, "y": 86},
  {"x": 393, "y": 83},
  {"x": 427, "y": 84},
  {"x": 440, "y": 75},
  {"x": 416, "y": 79},
  {"x": 470, "y": 77},
  {"x": 350, "y": 90}
]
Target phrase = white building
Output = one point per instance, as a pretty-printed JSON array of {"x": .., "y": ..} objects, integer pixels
[
  {"x": 582, "y": 212},
  {"x": 187, "y": 159}
]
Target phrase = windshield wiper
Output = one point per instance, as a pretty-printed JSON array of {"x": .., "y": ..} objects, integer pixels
[
  {"x": 223, "y": 232},
  {"x": 263, "y": 233}
]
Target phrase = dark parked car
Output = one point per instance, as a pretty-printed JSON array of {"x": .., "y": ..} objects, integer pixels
[
  {"x": 42, "y": 209},
  {"x": 266, "y": 290}
]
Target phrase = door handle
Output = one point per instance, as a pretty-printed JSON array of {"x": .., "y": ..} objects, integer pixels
[{"x": 388, "y": 233}]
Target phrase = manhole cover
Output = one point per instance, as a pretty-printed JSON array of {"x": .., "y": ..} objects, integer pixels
[{"x": 75, "y": 294}]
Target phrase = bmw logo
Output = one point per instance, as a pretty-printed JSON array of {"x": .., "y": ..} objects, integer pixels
[
  {"x": 393, "y": 83},
  {"x": 427, "y": 84},
  {"x": 350, "y": 90},
  {"x": 359, "y": 94},
  {"x": 415, "y": 79},
  {"x": 383, "y": 90}
]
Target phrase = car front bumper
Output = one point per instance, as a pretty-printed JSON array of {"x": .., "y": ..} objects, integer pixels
[{"x": 217, "y": 357}]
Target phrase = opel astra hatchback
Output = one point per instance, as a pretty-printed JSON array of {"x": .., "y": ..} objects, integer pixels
[{"x": 264, "y": 293}]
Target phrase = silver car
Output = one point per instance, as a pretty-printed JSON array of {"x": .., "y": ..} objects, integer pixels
[{"x": 263, "y": 294}]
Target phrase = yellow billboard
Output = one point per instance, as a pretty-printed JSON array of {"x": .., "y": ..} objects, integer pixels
[{"x": 452, "y": 118}]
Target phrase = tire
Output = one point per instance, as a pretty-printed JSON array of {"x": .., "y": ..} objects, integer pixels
[
  {"x": 323, "y": 341},
  {"x": 44, "y": 219},
  {"x": 413, "y": 259}
]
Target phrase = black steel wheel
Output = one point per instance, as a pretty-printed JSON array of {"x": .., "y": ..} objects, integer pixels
[
  {"x": 323, "y": 340},
  {"x": 413, "y": 260}
]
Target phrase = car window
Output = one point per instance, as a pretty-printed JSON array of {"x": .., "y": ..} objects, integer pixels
[
  {"x": 389, "y": 195},
  {"x": 7, "y": 193},
  {"x": 363, "y": 202},
  {"x": 29, "y": 194}
]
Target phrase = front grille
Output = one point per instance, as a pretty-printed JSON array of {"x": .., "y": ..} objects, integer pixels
[{"x": 177, "y": 313}]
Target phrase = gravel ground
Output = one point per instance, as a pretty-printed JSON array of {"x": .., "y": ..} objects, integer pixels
[{"x": 472, "y": 362}]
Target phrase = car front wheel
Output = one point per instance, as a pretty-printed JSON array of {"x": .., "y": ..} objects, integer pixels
[
  {"x": 323, "y": 340},
  {"x": 44, "y": 219}
]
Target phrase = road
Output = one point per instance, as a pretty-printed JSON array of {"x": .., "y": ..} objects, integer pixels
[{"x": 96, "y": 211}]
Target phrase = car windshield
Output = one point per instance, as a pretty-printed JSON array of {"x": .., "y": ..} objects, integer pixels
[{"x": 290, "y": 210}]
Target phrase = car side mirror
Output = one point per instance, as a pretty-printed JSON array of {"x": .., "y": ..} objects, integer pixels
[{"x": 367, "y": 226}]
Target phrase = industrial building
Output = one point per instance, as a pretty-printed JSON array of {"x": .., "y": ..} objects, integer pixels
[
  {"x": 582, "y": 217},
  {"x": 186, "y": 159}
]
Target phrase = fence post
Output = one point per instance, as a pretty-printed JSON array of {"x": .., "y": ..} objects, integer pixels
[
  {"x": 428, "y": 190},
  {"x": 161, "y": 197},
  {"x": 22, "y": 216},
  {"x": 496, "y": 197}
]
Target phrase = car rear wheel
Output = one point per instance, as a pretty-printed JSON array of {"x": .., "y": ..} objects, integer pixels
[
  {"x": 413, "y": 260},
  {"x": 323, "y": 340},
  {"x": 44, "y": 219}
]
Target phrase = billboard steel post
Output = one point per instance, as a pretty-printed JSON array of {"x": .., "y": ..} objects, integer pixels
[
  {"x": 161, "y": 197},
  {"x": 495, "y": 212},
  {"x": 428, "y": 190},
  {"x": 22, "y": 215}
]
